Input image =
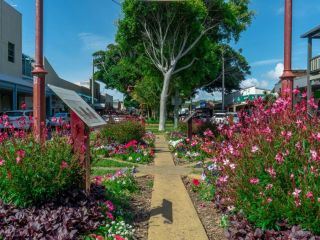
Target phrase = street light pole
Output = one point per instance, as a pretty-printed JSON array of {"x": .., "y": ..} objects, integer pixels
[
  {"x": 92, "y": 83},
  {"x": 223, "y": 81},
  {"x": 39, "y": 73},
  {"x": 287, "y": 76}
]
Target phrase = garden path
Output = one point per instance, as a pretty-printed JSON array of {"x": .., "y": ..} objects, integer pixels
[{"x": 173, "y": 216}]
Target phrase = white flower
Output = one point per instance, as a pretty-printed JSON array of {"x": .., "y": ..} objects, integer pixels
[{"x": 254, "y": 149}]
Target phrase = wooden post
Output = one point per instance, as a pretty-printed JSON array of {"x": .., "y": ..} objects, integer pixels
[
  {"x": 190, "y": 129},
  {"x": 80, "y": 134}
]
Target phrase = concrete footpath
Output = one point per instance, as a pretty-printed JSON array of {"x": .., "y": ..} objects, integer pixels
[{"x": 173, "y": 216}]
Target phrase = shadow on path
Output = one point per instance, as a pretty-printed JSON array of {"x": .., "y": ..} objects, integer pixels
[{"x": 165, "y": 210}]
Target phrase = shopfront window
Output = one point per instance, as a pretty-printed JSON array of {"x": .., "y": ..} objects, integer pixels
[
  {"x": 11, "y": 49},
  {"x": 5, "y": 100}
]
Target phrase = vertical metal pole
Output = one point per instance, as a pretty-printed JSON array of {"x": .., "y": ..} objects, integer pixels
[
  {"x": 92, "y": 83},
  {"x": 223, "y": 81},
  {"x": 288, "y": 76},
  {"x": 39, "y": 98},
  {"x": 309, "y": 89}
]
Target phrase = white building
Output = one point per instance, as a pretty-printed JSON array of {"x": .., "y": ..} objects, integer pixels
[{"x": 238, "y": 99}]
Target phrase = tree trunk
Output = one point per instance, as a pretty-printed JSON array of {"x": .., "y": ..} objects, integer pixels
[
  {"x": 163, "y": 100},
  {"x": 176, "y": 108}
]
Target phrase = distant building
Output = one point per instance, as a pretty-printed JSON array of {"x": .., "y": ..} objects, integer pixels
[
  {"x": 238, "y": 99},
  {"x": 16, "y": 80}
]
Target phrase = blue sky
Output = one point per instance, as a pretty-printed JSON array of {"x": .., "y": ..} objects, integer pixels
[{"x": 75, "y": 29}]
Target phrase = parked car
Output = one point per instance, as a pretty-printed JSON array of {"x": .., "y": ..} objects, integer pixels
[
  {"x": 219, "y": 118},
  {"x": 20, "y": 119},
  {"x": 60, "y": 119}
]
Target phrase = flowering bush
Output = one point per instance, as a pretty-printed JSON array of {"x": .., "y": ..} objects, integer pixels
[
  {"x": 133, "y": 151},
  {"x": 149, "y": 138},
  {"x": 115, "y": 230},
  {"x": 196, "y": 150},
  {"x": 119, "y": 187},
  {"x": 269, "y": 164},
  {"x": 123, "y": 132},
  {"x": 31, "y": 173}
]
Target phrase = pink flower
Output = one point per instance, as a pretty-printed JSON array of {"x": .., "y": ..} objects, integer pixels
[
  {"x": 254, "y": 149},
  {"x": 309, "y": 195},
  {"x": 70, "y": 141},
  {"x": 21, "y": 153},
  {"x": 279, "y": 158},
  {"x": 271, "y": 172},
  {"x": 296, "y": 91},
  {"x": 2, "y": 162},
  {"x": 298, "y": 145},
  {"x": 64, "y": 165},
  {"x": 296, "y": 192},
  {"x": 314, "y": 155},
  {"x": 23, "y": 106},
  {"x": 304, "y": 94},
  {"x": 109, "y": 215},
  {"x": 109, "y": 205},
  {"x": 286, "y": 134},
  {"x": 223, "y": 179},
  {"x": 208, "y": 133},
  {"x": 118, "y": 237},
  {"x": 269, "y": 200},
  {"x": 269, "y": 186},
  {"x": 18, "y": 159},
  {"x": 98, "y": 179},
  {"x": 254, "y": 181}
]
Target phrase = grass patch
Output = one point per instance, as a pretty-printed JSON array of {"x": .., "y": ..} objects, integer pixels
[
  {"x": 111, "y": 163},
  {"x": 154, "y": 128},
  {"x": 101, "y": 172}
]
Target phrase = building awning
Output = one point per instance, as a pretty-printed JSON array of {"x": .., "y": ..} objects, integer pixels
[
  {"x": 16, "y": 80},
  {"x": 313, "y": 33}
]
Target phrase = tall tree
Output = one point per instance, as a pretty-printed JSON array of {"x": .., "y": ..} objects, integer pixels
[{"x": 173, "y": 34}]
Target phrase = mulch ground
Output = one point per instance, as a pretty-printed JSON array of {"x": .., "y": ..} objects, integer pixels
[
  {"x": 141, "y": 204},
  {"x": 207, "y": 213}
]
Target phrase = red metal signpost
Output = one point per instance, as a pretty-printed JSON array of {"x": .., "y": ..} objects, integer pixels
[
  {"x": 288, "y": 76},
  {"x": 79, "y": 131},
  {"x": 81, "y": 146},
  {"x": 39, "y": 96}
]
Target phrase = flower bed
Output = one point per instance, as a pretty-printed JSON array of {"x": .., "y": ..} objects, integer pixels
[
  {"x": 104, "y": 214},
  {"x": 196, "y": 150},
  {"x": 133, "y": 151},
  {"x": 266, "y": 172}
]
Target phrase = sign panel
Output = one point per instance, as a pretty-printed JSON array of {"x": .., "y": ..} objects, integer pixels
[
  {"x": 86, "y": 113},
  {"x": 189, "y": 117}
]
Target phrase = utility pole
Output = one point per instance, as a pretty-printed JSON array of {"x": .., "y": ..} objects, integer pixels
[
  {"x": 223, "y": 80},
  {"x": 92, "y": 84},
  {"x": 288, "y": 76},
  {"x": 39, "y": 73}
]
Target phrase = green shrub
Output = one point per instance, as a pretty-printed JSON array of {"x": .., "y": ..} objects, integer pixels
[
  {"x": 123, "y": 132},
  {"x": 31, "y": 173}
]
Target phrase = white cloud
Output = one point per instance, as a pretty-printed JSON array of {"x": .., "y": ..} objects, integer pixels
[
  {"x": 276, "y": 72},
  {"x": 250, "y": 82},
  {"x": 203, "y": 95},
  {"x": 92, "y": 41},
  {"x": 266, "y": 62}
]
